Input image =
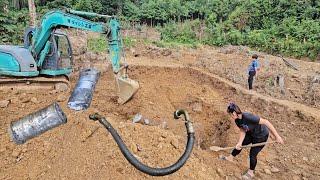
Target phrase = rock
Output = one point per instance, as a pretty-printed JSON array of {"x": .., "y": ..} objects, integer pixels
[
  {"x": 16, "y": 153},
  {"x": 258, "y": 174},
  {"x": 238, "y": 175},
  {"x": 4, "y": 103},
  {"x": 281, "y": 83},
  {"x": 88, "y": 55},
  {"x": 14, "y": 100},
  {"x": 174, "y": 142},
  {"x": 24, "y": 150},
  {"x": 83, "y": 58},
  {"x": 275, "y": 170},
  {"x": 197, "y": 107},
  {"x": 146, "y": 121},
  {"x": 61, "y": 87},
  {"x": 135, "y": 53},
  {"x": 53, "y": 92},
  {"x": 25, "y": 100},
  {"x": 101, "y": 58},
  {"x": 137, "y": 118},
  {"x": 61, "y": 98},
  {"x": 91, "y": 56},
  {"x": 316, "y": 79},
  {"x": 220, "y": 172},
  {"x": 139, "y": 147},
  {"x": 120, "y": 170},
  {"x": 221, "y": 156},
  {"x": 160, "y": 139},
  {"x": 226, "y": 50},
  {"x": 17, "y": 92},
  {"x": 3, "y": 150},
  {"x": 267, "y": 171},
  {"x": 165, "y": 135},
  {"x": 295, "y": 177},
  {"x": 304, "y": 174},
  {"x": 34, "y": 100},
  {"x": 166, "y": 52},
  {"x": 76, "y": 58},
  {"x": 305, "y": 159},
  {"x": 164, "y": 124},
  {"x": 19, "y": 158},
  {"x": 134, "y": 148},
  {"x": 297, "y": 172}
]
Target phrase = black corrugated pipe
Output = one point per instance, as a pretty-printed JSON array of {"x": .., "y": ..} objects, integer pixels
[{"x": 140, "y": 166}]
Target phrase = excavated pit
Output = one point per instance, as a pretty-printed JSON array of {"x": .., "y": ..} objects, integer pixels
[{"x": 87, "y": 147}]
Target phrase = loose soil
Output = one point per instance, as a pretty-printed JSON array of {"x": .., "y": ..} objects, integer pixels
[{"x": 83, "y": 149}]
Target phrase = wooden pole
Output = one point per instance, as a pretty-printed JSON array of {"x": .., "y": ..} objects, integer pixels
[{"x": 32, "y": 13}]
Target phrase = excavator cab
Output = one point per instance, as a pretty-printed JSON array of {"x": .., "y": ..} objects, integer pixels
[{"x": 59, "y": 60}]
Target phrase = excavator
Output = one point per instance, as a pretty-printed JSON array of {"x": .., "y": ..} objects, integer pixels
[{"x": 46, "y": 58}]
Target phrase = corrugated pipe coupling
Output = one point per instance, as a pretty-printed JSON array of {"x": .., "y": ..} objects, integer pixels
[{"x": 189, "y": 125}]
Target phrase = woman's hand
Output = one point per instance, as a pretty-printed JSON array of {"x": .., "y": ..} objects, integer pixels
[{"x": 238, "y": 146}]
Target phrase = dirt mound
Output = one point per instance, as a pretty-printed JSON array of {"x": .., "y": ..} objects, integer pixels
[
  {"x": 83, "y": 149},
  {"x": 232, "y": 62}
]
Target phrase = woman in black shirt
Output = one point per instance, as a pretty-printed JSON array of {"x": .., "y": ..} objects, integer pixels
[{"x": 253, "y": 129}]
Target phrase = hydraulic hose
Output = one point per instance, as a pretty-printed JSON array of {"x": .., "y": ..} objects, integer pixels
[{"x": 140, "y": 166}]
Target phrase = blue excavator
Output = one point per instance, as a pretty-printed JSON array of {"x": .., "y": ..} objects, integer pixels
[{"x": 46, "y": 58}]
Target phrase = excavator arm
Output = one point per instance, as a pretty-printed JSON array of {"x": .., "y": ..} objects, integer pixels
[{"x": 70, "y": 18}]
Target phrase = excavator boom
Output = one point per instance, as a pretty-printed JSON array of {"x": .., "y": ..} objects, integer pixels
[{"x": 48, "y": 52}]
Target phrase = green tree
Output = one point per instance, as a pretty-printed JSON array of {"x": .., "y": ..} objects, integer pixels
[{"x": 89, "y": 6}]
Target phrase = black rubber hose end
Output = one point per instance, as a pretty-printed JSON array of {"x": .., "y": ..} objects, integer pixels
[
  {"x": 177, "y": 114},
  {"x": 95, "y": 117}
]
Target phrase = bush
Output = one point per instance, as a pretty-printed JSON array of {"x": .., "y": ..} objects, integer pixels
[
  {"x": 129, "y": 42},
  {"x": 12, "y": 26},
  {"x": 184, "y": 33},
  {"x": 97, "y": 44},
  {"x": 215, "y": 35},
  {"x": 235, "y": 37}
]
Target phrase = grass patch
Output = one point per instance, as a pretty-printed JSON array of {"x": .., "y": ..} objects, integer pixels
[
  {"x": 100, "y": 44},
  {"x": 97, "y": 44},
  {"x": 173, "y": 44}
]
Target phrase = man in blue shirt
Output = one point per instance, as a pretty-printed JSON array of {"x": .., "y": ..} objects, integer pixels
[{"x": 252, "y": 70}]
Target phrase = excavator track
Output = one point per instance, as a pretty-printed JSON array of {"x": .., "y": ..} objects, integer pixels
[{"x": 60, "y": 83}]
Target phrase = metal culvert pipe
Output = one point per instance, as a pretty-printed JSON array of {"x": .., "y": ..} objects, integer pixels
[
  {"x": 142, "y": 167},
  {"x": 82, "y": 94},
  {"x": 37, "y": 123}
]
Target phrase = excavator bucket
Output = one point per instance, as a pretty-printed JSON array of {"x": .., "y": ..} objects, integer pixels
[{"x": 126, "y": 88}]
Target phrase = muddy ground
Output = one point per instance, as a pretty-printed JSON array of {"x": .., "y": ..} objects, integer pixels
[{"x": 169, "y": 80}]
